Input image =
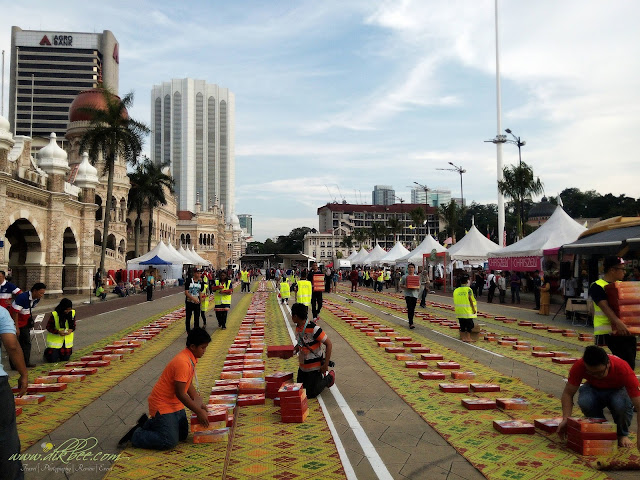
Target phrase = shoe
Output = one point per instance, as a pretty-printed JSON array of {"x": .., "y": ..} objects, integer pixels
[
  {"x": 141, "y": 421},
  {"x": 412, "y": 327},
  {"x": 31, "y": 365},
  {"x": 224, "y": 328},
  {"x": 331, "y": 378}
]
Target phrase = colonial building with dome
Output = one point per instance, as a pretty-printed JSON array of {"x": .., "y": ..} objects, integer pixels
[{"x": 52, "y": 208}]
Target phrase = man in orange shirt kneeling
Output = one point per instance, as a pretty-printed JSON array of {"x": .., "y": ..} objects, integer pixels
[{"x": 172, "y": 392}]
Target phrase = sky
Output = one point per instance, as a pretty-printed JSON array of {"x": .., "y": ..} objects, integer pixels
[{"x": 334, "y": 97}]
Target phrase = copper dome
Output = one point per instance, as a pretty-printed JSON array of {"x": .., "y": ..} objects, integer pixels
[{"x": 92, "y": 98}]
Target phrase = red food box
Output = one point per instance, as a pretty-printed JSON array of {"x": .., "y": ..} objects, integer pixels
[
  {"x": 101, "y": 352},
  {"x": 478, "y": 403},
  {"x": 521, "y": 347},
  {"x": 61, "y": 371},
  {"x": 91, "y": 358},
  {"x": 604, "y": 447},
  {"x": 569, "y": 334},
  {"x": 506, "y": 342},
  {"x": 281, "y": 351},
  {"x": 549, "y": 425},
  {"x": 448, "y": 365},
  {"x": 297, "y": 418},
  {"x": 512, "y": 403},
  {"x": 542, "y": 354},
  {"x": 112, "y": 357},
  {"x": 382, "y": 339},
  {"x": 251, "y": 399},
  {"x": 420, "y": 350},
  {"x": 564, "y": 360},
  {"x": 75, "y": 364},
  {"x": 416, "y": 364},
  {"x": 559, "y": 354},
  {"x": 525, "y": 324},
  {"x": 591, "y": 425},
  {"x": 431, "y": 356},
  {"x": 463, "y": 375},
  {"x": 514, "y": 426},
  {"x": 221, "y": 399},
  {"x": 454, "y": 387},
  {"x": 509, "y": 339},
  {"x": 291, "y": 390},
  {"x": 211, "y": 436},
  {"x": 98, "y": 363},
  {"x": 394, "y": 349},
  {"x": 251, "y": 385},
  {"x": 403, "y": 339},
  {"x": 71, "y": 378},
  {"x": 386, "y": 329},
  {"x": 224, "y": 389},
  {"x": 29, "y": 399},
  {"x": 46, "y": 387},
  {"x": 539, "y": 348},
  {"x": 576, "y": 435},
  {"x": 413, "y": 282},
  {"x": 291, "y": 405},
  {"x": 279, "y": 376},
  {"x": 485, "y": 387},
  {"x": 47, "y": 379},
  {"x": 554, "y": 330},
  {"x": 432, "y": 375},
  {"x": 228, "y": 381},
  {"x": 196, "y": 427},
  {"x": 18, "y": 411}
]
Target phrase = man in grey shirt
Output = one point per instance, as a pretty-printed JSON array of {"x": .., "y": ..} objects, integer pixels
[{"x": 410, "y": 294}]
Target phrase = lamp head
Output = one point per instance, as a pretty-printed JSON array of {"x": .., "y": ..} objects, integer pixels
[{"x": 508, "y": 130}]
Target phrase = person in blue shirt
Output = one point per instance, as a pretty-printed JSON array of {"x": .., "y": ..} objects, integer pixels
[{"x": 10, "y": 444}]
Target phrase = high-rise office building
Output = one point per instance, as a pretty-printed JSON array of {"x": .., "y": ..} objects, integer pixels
[
  {"x": 48, "y": 70},
  {"x": 383, "y": 195},
  {"x": 193, "y": 128},
  {"x": 246, "y": 223},
  {"x": 436, "y": 197}
]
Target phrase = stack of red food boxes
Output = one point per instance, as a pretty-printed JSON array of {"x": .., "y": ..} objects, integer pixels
[
  {"x": 275, "y": 381},
  {"x": 624, "y": 299},
  {"x": 280, "y": 351},
  {"x": 413, "y": 282},
  {"x": 294, "y": 407},
  {"x": 591, "y": 436}
]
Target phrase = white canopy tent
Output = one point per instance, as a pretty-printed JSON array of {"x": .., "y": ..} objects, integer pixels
[
  {"x": 186, "y": 253},
  {"x": 375, "y": 255},
  {"x": 177, "y": 254},
  {"x": 558, "y": 230},
  {"x": 202, "y": 261},
  {"x": 360, "y": 256},
  {"x": 172, "y": 271},
  {"x": 415, "y": 256},
  {"x": 473, "y": 247},
  {"x": 392, "y": 255},
  {"x": 353, "y": 254}
]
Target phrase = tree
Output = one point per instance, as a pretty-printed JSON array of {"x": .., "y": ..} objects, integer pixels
[
  {"x": 418, "y": 216},
  {"x": 347, "y": 242},
  {"x": 112, "y": 134},
  {"x": 135, "y": 201},
  {"x": 519, "y": 184},
  {"x": 293, "y": 242},
  {"x": 394, "y": 227},
  {"x": 156, "y": 183},
  {"x": 360, "y": 235},
  {"x": 451, "y": 214},
  {"x": 378, "y": 230}
]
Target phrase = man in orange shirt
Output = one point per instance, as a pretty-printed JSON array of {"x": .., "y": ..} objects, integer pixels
[{"x": 172, "y": 392}]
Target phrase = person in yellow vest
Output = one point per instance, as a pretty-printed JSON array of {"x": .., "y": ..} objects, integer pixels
[
  {"x": 366, "y": 278},
  {"x": 305, "y": 290},
  {"x": 380, "y": 279},
  {"x": 387, "y": 278},
  {"x": 607, "y": 327},
  {"x": 244, "y": 278},
  {"x": 285, "y": 290},
  {"x": 466, "y": 308},
  {"x": 222, "y": 298},
  {"x": 204, "y": 299},
  {"x": 60, "y": 328}
]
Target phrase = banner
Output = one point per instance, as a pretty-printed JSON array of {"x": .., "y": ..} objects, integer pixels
[{"x": 517, "y": 264}]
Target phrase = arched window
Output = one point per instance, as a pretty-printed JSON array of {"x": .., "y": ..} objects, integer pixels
[
  {"x": 182, "y": 239},
  {"x": 98, "y": 201},
  {"x": 188, "y": 239},
  {"x": 200, "y": 240}
]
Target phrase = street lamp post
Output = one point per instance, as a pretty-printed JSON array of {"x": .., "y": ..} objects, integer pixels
[
  {"x": 460, "y": 170},
  {"x": 426, "y": 204}
]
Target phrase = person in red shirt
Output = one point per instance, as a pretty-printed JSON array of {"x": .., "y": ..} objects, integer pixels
[
  {"x": 173, "y": 391},
  {"x": 610, "y": 383}
]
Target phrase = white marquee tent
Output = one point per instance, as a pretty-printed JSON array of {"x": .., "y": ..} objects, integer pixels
[
  {"x": 392, "y": 255},
  {"x": 375, "y": 255},
  {"x": 415, "y": 256},
  {"x": 172, "y": 271},
  {"x": 201, "y": 261},
  {"x": 558, "y": 230},
  {"x": 360, "y": 256},
  {"x": 186, "y": 253},
  {"x": 473, "y": 247},
  {"x": 177, "y": 254}
]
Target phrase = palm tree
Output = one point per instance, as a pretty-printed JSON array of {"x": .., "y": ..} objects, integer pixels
[
  {"x": 360, "y": 235},
  {"x": 157, "y": 182},
  {"x": 394, "y": 227},
  {"x": 347, "y": 242},
  {"x": 135, "y": 200},
  {"x": 519, "y": 184},
  {"x": 112, "y": 134},
  {"x": 418, "y": 216},
  {"x": 451, "y": 214},
  {"x": 378, "y": 230}
]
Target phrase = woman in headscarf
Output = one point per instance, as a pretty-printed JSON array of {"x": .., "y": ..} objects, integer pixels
[{"x": 60, "y": 328}]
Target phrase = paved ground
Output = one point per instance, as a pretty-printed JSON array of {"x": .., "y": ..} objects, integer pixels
[{"x": 408, "y": 446}]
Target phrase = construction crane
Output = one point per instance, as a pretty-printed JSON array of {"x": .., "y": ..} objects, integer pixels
[{"x": 333, "y": 199}]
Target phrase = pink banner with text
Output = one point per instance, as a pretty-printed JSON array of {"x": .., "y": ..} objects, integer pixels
[{"x": 518, "y": 264}]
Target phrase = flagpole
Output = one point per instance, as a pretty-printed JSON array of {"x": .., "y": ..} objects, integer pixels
[{"x": 501, "y": 237}]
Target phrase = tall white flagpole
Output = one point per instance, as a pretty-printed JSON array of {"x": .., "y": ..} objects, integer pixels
[{"x": 501, "y": 233}]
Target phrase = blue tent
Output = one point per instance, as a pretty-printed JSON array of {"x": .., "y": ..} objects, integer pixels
[{"x": 156, "y": 260}]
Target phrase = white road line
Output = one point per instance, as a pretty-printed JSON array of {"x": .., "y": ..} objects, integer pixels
[
  {"x": 368, "y": 449},
  {"x": 110, "y": 311},
  {"x": 434, "y": 331}
]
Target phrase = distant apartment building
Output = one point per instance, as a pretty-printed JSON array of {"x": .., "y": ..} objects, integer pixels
[
  {"x": 343, "y": 219},
  {"x": 436, "y": 197},
  {"x": 48, "y": 69},
  {"x": 193, "y": 127},
  {"x": 246, "y": 223},
  {"x": 383, "y": 195}
]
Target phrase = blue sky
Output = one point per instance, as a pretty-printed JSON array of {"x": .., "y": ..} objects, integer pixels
[{"x": 358, "y": 93}]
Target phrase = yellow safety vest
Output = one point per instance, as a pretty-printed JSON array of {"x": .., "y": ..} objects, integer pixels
[
  {"x": 366, "y": 275},
  {"x": 244, "y": 276},
  {"x": 461, "y": 301},
  {"x": 387, "y": 275},
  {"x": 222, "y": 298},
  {"x": 57, "y": 341},
  {"x": 381, "y": 277},
  {"x": 304, "y": 292},
  {"x": 285, "y": 291},
  {"x": 601, "y": 323}
]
